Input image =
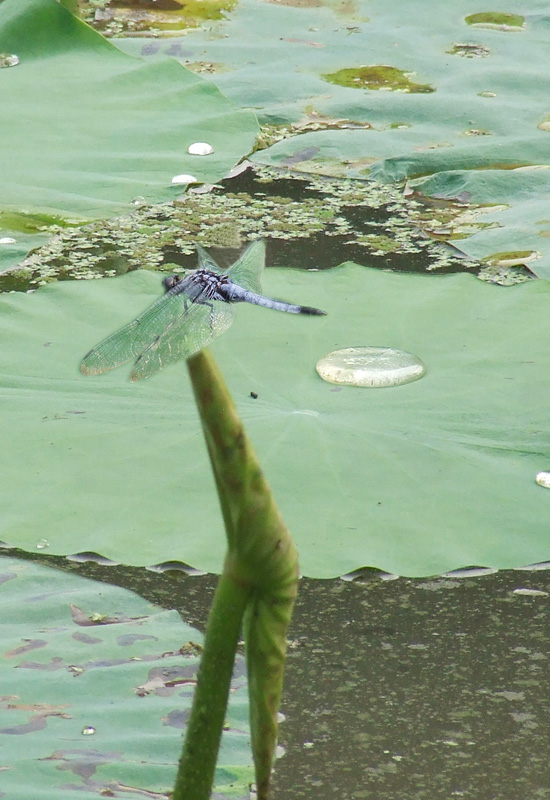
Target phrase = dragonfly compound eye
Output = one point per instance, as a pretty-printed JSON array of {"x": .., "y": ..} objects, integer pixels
[{"x": 170, "y": 281}]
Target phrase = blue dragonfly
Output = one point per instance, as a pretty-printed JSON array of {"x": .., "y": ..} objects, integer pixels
[{"x": 194, "y": 311}]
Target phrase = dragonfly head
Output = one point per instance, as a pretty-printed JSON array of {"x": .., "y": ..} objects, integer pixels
[{"x": 170, "y": 281}]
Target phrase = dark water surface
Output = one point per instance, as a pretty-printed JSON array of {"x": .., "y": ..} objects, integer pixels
[{"x": 400, "y": 689}]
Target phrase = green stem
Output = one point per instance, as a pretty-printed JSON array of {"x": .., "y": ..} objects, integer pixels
[
  {"x": 260, "y": 576},
  {"x": 198, "y": 761}
]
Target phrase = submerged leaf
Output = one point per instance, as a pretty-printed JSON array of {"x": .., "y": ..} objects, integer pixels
[{"x": 99, "y": 709}]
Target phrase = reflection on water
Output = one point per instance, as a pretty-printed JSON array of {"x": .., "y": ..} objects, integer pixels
[{"x": 427, "y": 688}]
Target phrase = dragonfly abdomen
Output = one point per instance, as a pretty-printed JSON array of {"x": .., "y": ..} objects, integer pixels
[{"x": 236, "y": 294}]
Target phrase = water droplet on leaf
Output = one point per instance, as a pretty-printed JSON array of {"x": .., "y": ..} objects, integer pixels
[
  {"x": 183, "y": 178},
  {"x": 8, "y": 60},
  {"x": 200, "y": 149},
  {"x": 375, "y": 367},
  {"x": 543, "y": 479},
  {"x": 42, "y": 544}
]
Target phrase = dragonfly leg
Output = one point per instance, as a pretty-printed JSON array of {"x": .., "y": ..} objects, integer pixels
[{"x": 205, "y": 302}]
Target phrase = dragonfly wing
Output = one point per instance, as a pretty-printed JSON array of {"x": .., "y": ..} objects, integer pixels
[
  {"x": 247, "y": 271},
  {"x": 128, "y": 342},
  {"x": 190, "y": 332},
  {"x": 205, "y": 260}
]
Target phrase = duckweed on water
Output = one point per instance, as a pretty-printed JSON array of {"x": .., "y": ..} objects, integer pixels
[{"x": 309, "y": 222}]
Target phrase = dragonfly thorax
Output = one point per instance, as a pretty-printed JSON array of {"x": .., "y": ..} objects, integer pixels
[{"x": 200, "y": 284}]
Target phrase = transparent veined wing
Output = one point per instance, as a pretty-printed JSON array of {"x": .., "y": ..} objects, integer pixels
[
  {"x": 206, "y": 261},
  {"x": 247, "y": 271},
  {"x": 193, "y": 330},
  {"x": 131, "y": 340}
]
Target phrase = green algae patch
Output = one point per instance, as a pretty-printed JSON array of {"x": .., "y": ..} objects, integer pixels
[
  {"x": 378, "y": 77},
  {"x": 496, "y": 19}
]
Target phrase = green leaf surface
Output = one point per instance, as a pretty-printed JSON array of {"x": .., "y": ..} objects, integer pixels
[
  {"x": 87, "y": 127},
  {"x": 96, "y": 688},
  {"x": 416, "y": 480},
  {"x": 489, "y": 106}
]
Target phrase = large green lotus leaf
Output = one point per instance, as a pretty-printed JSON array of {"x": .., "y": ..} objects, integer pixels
[
  {"x": 416, "y": 480},
  {"x": 96, "y": 687},
  {"x": 87, "y": 127},
  {"x": 371, "y": 154},
  {"x": 514, "y": 224},
  {"x": 489, "y": 104}
]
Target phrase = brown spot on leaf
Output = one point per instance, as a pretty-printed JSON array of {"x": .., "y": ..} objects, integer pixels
[
  {"x": 130, "y": 638},
  {"x": 177, "y": 718},
  {"x": 51, "y": 666},
  {"x": 163, "y": 681},
  {"x": 81, "y": 618},
  {"x": 36, "y": 723},
  {"x": 85, "y": 639},
  {"x": 30, "y": 644}
]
